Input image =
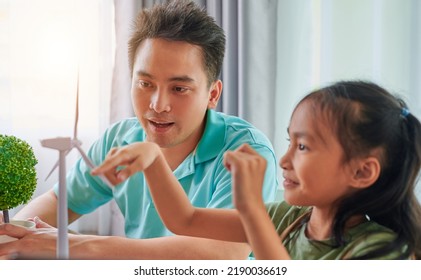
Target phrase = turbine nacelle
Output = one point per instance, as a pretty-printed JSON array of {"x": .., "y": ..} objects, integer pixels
[{"x": 58, "y": 143}]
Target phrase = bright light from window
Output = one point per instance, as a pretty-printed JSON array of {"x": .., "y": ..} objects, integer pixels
[
  {"x": 44, "y": 62},
  {"x": 57, "y": 52},
  {"x": 43, "y": 47}
]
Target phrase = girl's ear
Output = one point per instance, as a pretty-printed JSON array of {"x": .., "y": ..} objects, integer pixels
[{"x": 365, "y": 172}]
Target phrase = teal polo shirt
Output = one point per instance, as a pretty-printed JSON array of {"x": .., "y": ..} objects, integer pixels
[{"x": 202, "y": 174}]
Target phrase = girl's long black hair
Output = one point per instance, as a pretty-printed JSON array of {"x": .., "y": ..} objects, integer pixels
[{"x": 366, "y": 117}]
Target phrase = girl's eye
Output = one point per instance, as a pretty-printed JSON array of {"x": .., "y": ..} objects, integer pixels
[
  {"x": 301, "y": 147},
  {"x": 289, "y": 142}
]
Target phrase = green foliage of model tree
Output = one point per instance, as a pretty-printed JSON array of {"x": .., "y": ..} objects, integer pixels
[{"x": 17, "y": 173}]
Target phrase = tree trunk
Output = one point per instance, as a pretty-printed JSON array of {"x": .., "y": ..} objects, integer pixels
[{"x": 6, "y": 216}]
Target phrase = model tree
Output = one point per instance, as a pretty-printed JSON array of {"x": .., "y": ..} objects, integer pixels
[{"x": 17, "y": 173}]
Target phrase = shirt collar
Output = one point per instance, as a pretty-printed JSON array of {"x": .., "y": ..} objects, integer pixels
[
  {"x": 209, "y": 146},
  {"x": 135, "y": 134},
  {"x": 213, "y": 138}
]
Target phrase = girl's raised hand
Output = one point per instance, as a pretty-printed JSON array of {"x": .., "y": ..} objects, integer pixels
[
  {"x": 248, "y": 169},
  {"x": 121, "y": 163}
]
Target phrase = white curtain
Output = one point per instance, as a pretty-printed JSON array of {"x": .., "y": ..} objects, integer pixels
[
  {"x": 279, "y": 50},
  {"x": 44, "y": 47}
]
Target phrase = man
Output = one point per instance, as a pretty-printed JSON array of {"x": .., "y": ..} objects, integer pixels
[{"x": 176, "y": 54}]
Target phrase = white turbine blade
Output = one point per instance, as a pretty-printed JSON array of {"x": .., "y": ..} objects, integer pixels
[
  {"x": 77, "y": 108},
  {"x": 55, "y": 166},
  {"x": 90, "y": 164},
  {"x": 77, "y": 143},
  {"x": 52, "y": 170}
]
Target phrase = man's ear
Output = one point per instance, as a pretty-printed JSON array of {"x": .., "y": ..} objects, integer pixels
[
  {"x": 365, "y": 172},
  {"x": 214, "y": 94}
]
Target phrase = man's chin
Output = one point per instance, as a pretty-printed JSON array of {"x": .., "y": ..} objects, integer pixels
[{"x": 162, "y": 143}]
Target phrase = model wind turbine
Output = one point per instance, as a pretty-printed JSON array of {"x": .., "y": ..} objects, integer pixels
[{"x": 64, "y": 145}]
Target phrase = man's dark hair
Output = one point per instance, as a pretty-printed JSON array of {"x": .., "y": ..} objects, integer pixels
[{"x": 184, "y": 21}]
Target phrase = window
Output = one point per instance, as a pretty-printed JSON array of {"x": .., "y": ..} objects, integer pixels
[{"x": 45, "y": 45}]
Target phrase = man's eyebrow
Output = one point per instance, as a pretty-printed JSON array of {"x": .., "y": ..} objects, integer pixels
[
  {"x": 183, "y": 78},
  {"x": 143, "y": 73}
]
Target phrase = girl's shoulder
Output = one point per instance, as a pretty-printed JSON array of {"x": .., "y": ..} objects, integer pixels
[
  {"x": 282, "y": 207},
  {"x": 370, "y": 232},
  {"x": 368, "y": 237},
  {"x": 283, "y": 214}
]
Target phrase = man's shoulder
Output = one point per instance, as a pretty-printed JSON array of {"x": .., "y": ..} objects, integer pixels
[
  {"x": 125, "y": 123},
  {"x": 231, "y": 120},
  {"x": 237, "y": 127},
  {"x": 125, "y": 129}
]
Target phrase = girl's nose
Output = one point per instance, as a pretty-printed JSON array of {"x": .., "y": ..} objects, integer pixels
[{"x": 284, "y": 162}]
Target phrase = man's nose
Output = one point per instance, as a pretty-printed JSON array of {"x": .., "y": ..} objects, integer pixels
[{"x": 160, "y": 101}]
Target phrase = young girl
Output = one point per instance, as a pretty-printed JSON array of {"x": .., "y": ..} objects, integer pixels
[{"x": 349, "y": 178}]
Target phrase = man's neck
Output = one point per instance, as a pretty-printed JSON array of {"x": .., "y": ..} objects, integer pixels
[{"x": 176, "y": 155}]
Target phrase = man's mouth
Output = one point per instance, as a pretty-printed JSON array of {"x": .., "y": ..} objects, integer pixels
[{"x": 161, "y": 124}]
